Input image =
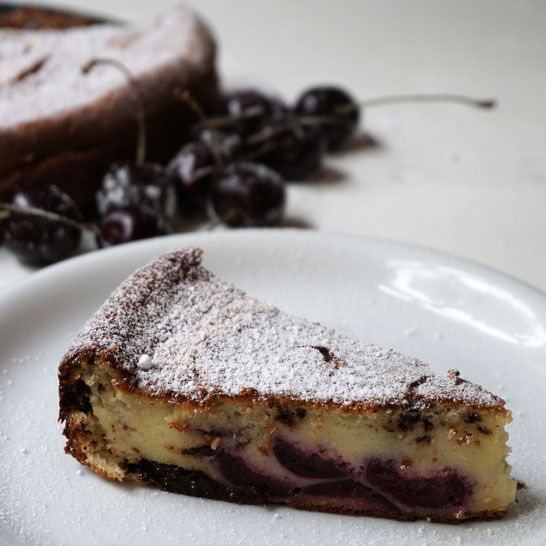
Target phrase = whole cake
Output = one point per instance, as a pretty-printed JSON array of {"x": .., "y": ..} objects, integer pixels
[
  {"x": 184, "y": 382},
  {"x": 63, "y": 126}
]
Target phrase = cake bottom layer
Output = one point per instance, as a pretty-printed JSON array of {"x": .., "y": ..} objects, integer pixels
[{"x": 195, "y": 483}]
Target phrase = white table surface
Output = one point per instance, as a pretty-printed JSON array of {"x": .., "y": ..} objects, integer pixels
[{"x": 463, "y": 181}]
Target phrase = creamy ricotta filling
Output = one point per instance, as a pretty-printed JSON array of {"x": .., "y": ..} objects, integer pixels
[{"x": 402, "y": 449}]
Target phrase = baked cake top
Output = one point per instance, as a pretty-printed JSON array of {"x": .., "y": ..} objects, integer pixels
[
  {"x": 41, "y": 70},
  {"x": 177, "y": 331}
]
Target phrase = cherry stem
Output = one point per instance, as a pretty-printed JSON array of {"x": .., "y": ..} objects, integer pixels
[
  {"x": 226, "y": 121},
  {"x": 200, "y": 173},
  {"x": 432, "y": 97},
  {"x": 187, "y": 97},
  {"x": 48, "y": 215},
  {"x": 257, "y": 110},
  {"x": 139, "y": 99},
  {"x": 263, "y": 136}
]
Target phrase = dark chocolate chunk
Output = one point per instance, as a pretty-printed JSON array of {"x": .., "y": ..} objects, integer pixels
[
  {"x": 407, "y": 420},
  {"x": 200, "y": 451},
  {"x": 75, "y": 398},
  {"x": 288, "y": 416},
  {"x": 472, "y": 417}
]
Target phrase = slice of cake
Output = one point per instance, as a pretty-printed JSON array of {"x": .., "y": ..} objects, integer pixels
[
  {"x": 59, "y": 125},
  {"x": 184, "y": 382}
]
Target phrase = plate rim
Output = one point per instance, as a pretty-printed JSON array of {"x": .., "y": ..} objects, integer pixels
[
  {"x": 49, "y": 274},
  {"x": 7, "y": 292}
]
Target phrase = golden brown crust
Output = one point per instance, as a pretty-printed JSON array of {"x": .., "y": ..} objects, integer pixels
[{"x": 76, "y": 439}]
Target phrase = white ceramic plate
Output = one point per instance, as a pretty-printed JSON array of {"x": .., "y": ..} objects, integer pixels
[{"x": 446, "y": 311}]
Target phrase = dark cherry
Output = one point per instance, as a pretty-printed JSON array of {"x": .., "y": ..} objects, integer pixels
[
  {"x": 36, "y": 240},
  {"x": 307, "y": 464},
  {"x": 237, "y": 472},
  {"x": 143, "y": 185},
  {"x": 324, "y": 102},
  {"x": 129, "y": 223},
  {"x": 248, "y": 195},
  {"x": 296, "y": 151},
  {"x": 243, "y": 101},
  {"x": 192, "y": 171},
  {"x": 444, "y": 490},
  {"x": 225, "y": 143}
]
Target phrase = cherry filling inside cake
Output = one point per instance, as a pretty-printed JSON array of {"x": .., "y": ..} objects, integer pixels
[{"x": 186, "y": 383}]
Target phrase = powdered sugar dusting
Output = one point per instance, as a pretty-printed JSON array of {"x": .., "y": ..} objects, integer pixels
[
  {"x": 40, "y": 71},
  {"x": 145, "y": 362},
  {"x": 202, "y": 336}
]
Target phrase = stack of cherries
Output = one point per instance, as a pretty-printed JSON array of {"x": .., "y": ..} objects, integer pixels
[{"x": 233, "y": 170}]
